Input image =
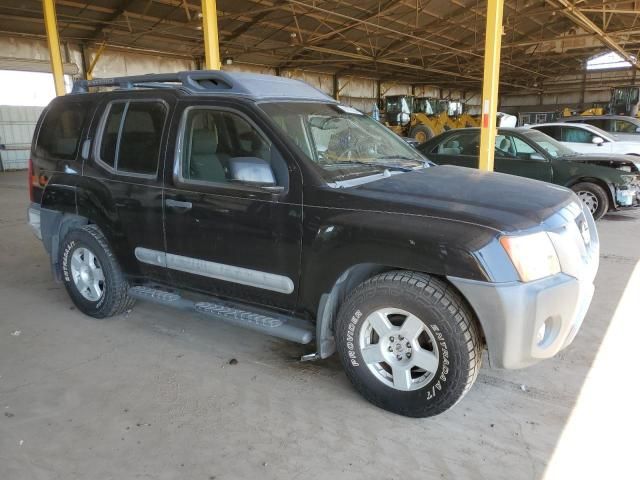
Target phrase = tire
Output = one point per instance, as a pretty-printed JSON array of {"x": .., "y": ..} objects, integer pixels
[
  {"x": 421, "y": 133},
  {"x": 92, "y": 275},
  {"x": 593, "y": 197},
  {"x": 449, "y": 344}
]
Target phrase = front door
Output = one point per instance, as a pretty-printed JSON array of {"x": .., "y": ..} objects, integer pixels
[
  {"x": 515, "y": 156},
  {"x": 233, "y": 213}
]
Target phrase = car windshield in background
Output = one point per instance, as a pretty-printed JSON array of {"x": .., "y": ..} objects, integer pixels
[
  {"x": 343, "y": 142},
  {"x": 550, "y": 145}
]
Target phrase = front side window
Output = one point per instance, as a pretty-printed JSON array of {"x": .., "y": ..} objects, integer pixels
[
  {"x": 219, "y": 146},
  {"x": 61, "y": 130},
  {"x": 131, "y": 136},
  {"x": 344, "y": 143},
  {"x": 576, "y": 135}
]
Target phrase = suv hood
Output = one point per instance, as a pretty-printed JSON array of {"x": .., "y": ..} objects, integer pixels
[
  {"x": 612, "y": 160},
  {"x": 502, "y": 202}
]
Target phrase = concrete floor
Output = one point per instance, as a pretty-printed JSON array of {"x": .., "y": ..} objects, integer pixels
[{"x": 152, "y": 394}]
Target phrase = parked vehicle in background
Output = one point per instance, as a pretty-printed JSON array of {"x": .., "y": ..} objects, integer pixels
[
  {"x": 603, "y": 182},
  {"x": 421, "y": 117},
  {"x": 626, "y": 128},
  {"x": 585, "y": 138},
  {"x": 262, "y": 202}
]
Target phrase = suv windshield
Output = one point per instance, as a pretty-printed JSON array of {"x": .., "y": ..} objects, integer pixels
[
  {"x": 550, "y": 145},
  {"x": 343, "y": 142}
]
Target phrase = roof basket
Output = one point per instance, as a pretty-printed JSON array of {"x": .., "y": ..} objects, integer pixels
[{"x": 196, "y": 81}]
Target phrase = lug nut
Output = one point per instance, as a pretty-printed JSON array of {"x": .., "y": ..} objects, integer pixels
[
  {"x": 399, "y": 357},
  {"x": 408, "y": 345},
  {"x": 408, "y": 354},
  {"x": 390, "y": 349},
  {"x": 400, "y": 337},
  {"x": 391, "y": 339}
]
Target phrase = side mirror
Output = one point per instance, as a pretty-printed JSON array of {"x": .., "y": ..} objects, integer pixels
[
  {"x": 253, "y": 171},
  {"x": 537, "y": 157},
  {"x": 597, "y": 140}
]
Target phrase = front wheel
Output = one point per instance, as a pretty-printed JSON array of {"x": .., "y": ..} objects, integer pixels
[
  {"x": 409, "y": 343},
  {"x": 593, "y": 197}
]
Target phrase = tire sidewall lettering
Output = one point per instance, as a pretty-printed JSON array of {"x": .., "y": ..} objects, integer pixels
[
  {"x": 351, "y": 329},
  {"x": 65, "y": 260}
]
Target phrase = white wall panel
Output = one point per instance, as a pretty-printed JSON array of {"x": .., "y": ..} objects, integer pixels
[{"x": 16, "y": 131}]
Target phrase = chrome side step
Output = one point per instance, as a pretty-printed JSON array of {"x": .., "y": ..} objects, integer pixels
[{"x": 273, "y": 324}]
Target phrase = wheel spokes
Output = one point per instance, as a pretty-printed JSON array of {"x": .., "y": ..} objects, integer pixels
[
  {"x": 412, "y": 327},
  {"x": 402, "y": 377},
  {"x": 380, "y": 323},
  {"x": 76, "y": 263},
  {"x": 425, "y": 359},
  {"x": 94, "y": 291},
  {"x": 372, "y": 354}
]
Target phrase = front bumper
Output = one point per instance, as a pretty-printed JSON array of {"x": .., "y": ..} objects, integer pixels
[{"x": 512, "y": 314}]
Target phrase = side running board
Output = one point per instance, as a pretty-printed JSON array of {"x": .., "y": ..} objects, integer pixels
[{"x": 276, "y": 325}]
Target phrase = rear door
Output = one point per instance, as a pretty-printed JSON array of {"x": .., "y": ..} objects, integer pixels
[
  {"x": 129, "y": 136},
  {"x": 516, "y": 156},
  {"x": 226, "y": 237}
]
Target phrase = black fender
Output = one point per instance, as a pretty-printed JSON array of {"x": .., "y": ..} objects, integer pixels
[
  {"x": 342, "y": 251},
  {"x": 69, "y": 200}
]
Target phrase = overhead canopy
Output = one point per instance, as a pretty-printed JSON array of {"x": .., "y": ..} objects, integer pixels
[{"x": 438, "y": 42}]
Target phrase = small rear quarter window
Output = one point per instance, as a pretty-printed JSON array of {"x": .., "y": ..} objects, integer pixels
[{"x": 61, "y": 129}]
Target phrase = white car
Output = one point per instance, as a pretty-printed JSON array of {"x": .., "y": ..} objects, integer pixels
[{"x": 584, "y": 138}]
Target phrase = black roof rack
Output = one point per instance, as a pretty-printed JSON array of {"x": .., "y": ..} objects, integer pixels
[
  {"x": 214, "y": 82},
  {"x": 195, "y": 81}
]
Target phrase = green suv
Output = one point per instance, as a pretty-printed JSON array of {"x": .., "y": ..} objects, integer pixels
[{"x": 603, "y": 182}]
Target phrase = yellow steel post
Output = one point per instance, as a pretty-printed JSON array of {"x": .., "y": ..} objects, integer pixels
[
  {"x": 493, "y": 42},
  {"x": 49, "y": 9},
  {"x": 89, "y": 72},
  {"x": 210, "y": 31}
]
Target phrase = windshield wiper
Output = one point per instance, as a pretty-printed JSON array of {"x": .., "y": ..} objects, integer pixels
[{"x": 376, "y": 165}]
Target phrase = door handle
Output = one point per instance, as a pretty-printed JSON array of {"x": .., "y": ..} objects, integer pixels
[{"x": 178, "y": 204}]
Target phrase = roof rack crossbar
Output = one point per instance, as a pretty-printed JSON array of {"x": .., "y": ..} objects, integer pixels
[{"x": 195, "y": 81}]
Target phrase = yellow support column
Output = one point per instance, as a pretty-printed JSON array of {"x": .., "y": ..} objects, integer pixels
[
  {"x": 493, "y": 43},
  {"x": 210, "y": 31},
  {"x": 49, "y": 9}
]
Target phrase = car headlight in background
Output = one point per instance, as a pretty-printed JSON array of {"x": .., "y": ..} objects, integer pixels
[{"x": 532, "y": 255}]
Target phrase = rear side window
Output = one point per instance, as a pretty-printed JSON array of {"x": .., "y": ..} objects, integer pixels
[
  {"x": 61, "y": 130},
  {"x": 467, "y": 143},
  {"x": 551, "y": 131},
  {"x": 131, "y": 136}
]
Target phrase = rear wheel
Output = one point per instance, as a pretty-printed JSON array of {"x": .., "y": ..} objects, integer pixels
[
  {"x": 421, "y": 133},
  {"x": 409, "y": 343},
  {"x": 92, "y": 275},
  {"x": 593, "y": 197}
]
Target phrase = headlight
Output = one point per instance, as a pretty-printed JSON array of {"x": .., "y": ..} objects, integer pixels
[{"x": 533, "y": 256}]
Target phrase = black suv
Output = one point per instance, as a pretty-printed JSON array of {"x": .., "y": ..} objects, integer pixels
[{"x": 262, "y": 202}]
